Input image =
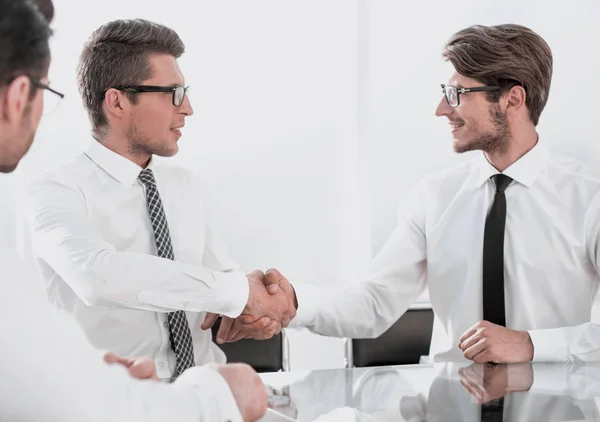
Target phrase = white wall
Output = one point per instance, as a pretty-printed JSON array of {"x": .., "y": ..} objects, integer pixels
[{"x": 314, "y": 118}]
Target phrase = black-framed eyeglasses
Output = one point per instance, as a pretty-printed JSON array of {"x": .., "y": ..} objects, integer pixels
[
  {"x": 452, "y": 93},
  {"x": 51, "y": 96},
  {"x": 178, "y": 92}
]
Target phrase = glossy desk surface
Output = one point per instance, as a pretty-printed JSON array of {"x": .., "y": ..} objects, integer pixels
[{"x": 442, "y": 392}]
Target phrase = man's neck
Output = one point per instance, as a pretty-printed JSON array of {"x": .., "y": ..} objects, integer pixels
[
  {"x": 119, "y": 144},
  {"x": 519, "y": 145}
]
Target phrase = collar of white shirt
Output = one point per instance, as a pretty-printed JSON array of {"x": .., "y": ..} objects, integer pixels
[
  {"x": 525, "y": 170},
  {"x": 118, "y": 167}
]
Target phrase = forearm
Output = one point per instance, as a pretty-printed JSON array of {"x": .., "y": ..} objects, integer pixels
[
  {"x": 140, "y": 281},
  {"x": 363, "y": 310}
]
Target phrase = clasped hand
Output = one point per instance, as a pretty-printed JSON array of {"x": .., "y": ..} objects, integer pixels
[{"x": 271, "y": 306}]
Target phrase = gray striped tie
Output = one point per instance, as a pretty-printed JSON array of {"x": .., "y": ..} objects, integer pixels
[{"x": 181, "y": 337}]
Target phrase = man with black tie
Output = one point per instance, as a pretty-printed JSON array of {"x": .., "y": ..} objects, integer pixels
[{"x": 508, "y": 243}]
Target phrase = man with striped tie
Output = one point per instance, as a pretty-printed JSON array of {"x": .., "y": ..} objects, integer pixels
[{"x": 125, "y": 243}]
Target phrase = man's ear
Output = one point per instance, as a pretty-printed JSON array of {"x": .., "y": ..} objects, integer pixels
[
  {"x": 116, "y": 103},
  {"x": 16, "y": 98},
  {"x": 515, "y": 98}
]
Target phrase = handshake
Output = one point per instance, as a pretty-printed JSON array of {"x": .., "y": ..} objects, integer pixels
[{"x": 271, "y": 306}]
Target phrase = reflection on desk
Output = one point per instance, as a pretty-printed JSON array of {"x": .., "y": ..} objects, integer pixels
[{"x": 444, "y": 392}]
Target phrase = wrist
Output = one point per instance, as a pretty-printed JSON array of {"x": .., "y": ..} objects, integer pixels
[{"x": 528, "y": 346}]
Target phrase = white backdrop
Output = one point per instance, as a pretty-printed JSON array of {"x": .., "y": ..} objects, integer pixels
[{"x": 314, "y": 118}]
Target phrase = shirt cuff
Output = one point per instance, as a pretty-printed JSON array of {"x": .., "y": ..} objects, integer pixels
[
  {"x": 215, "y": 397},
  {"x": 232, "y": 293},
  {"x": 549, "y": 345},
  {"x": 307, "y": 296},
  {"x": 230, "y": 289}
]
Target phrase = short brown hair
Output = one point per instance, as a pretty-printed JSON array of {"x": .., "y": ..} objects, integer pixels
[
  {"x": 504, "y": 55},
  {"x": 118, "y": 54}
]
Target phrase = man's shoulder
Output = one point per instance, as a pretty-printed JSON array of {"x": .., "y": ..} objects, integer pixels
[
  {"x": 573, "y": 169},
  {"x": 173, "y": 173},
  {"x": 70, "y": 173},
  {"x": 454, "y": 175}
]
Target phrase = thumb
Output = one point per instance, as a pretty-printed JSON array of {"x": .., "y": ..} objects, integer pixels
[{"x": 272, "y": 280}]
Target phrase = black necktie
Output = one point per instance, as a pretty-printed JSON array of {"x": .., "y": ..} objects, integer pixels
[
  {"x": 493, "y": 255},
  {"x": 493, "y": 411},
  {"x": 179, "y": 329}
]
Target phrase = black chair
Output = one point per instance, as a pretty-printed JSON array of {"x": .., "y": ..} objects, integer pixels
[
  {"x": 263, "y": 355},
  {"x": 402, "y": 344}
]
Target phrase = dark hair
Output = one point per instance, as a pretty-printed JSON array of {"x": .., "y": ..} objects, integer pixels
[
  {"x": 117, "y": 54},
  {"x": 24, "y": 34},
  {"x": 46, "y": 8},
  {"x": 504, "y": 55}
]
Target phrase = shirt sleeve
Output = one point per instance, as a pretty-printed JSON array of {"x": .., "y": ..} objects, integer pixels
[
  {"x": 67, "y": 241},
  {"x": 580, "y": 342},
  {"x": 397, "y": 277},
  {"x": 50, "y": 372}
]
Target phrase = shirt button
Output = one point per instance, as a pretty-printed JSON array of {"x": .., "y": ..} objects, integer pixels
[
  {"x": 161, "y": 364},
  {"x": 166, "y": 324}
]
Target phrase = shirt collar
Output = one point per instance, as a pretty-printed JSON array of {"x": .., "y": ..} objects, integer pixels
[
  {"x": 117, "y": 166},
  {"x": 524, "y": 171}
]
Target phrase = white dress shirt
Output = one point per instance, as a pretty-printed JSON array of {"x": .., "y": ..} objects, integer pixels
[
  {"x": 551, "y": 257},
  {"x": 94, "y": 246},
  {"x": 50, "y": 372}
]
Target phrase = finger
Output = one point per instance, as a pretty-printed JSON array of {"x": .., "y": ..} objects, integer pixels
[
  {"x": 475, "y": 349},
  {"x": 273, "y": 280},
  {"x": 476, "y": 386},
  {"x": 234, "y": 331},
  {"x": 247, "y": 319},
  {"x": 257, "y": 329},
  {"x": 469, "y": 332},
  {"x": 223, "y": 332},
  {"x": 469, "y": 341},
  {"x": 471, "y": 378},
  {"x": 472, "y": 392},
  {"x": 143, "y": 368},
  {"x": 209, "y": 321},
  {"x": 238, "y": 337},
  {"x": 273, "y": 329},
  {"x": 111, "y": 358}
]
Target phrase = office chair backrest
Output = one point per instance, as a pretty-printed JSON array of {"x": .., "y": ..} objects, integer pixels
[
  {"x": 404, "y": 343},
  {"x": 262, "y": 355}
]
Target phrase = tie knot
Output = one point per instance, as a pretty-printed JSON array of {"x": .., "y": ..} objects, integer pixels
[
  {"x": 147, "y": 178},
  {"x": 502, "y": 181}
]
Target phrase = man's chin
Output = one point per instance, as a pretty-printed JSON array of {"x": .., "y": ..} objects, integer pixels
[
  {"x": 169, "y": 151},
  {"x": 462, "y": 146}
]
